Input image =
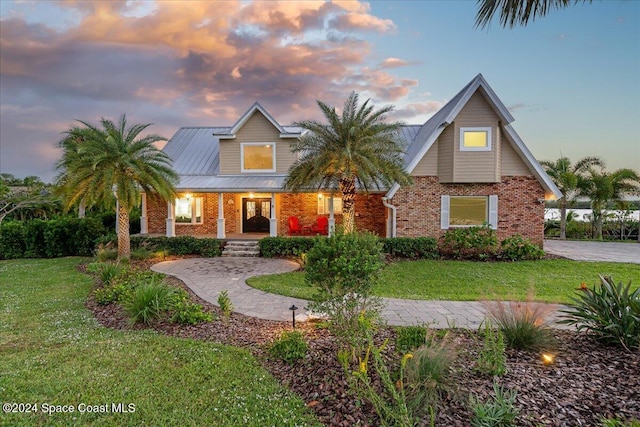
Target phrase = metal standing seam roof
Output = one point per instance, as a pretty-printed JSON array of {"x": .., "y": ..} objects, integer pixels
[{"x": 195, "y": 151}]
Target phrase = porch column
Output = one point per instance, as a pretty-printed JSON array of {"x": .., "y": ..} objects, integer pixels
[
  {"x": 144, "y": 227},
  {"x": 332, "y": 219},
  {"x": 273, "y": 222},
  {"x": 171, "y": 224},
  {"x": 221, "y": 232}
]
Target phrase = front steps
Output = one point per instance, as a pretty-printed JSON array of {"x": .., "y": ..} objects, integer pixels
[{"x": 241, "y": 248}]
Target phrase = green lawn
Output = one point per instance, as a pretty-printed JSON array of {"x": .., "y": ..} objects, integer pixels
[
  {"x": 550, "y": 280},
  {"x": 53, "y": 352}
]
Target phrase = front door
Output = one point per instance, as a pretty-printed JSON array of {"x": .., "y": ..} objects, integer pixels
[{"x": 255, "y": 215}]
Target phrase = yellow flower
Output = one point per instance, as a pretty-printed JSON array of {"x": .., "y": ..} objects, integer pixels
[
  {"x": 405, "y": 358},
  {"x": 363, "y": 367}
]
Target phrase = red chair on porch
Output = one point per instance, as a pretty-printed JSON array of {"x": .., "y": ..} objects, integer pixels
[
  {"x": 294, "y": 226},
  {"x": 321, "y": 226}
]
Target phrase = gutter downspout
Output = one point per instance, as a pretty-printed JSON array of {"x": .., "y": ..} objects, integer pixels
[{"x": 385, "y": 202}]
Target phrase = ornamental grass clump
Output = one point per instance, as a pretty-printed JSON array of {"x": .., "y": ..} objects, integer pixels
[
  {"x": 150, "y": 301},
  {"x": 523, "y": 324},
  {"x": 492, "y": 359},
  {"x": 609, "y": 311}
]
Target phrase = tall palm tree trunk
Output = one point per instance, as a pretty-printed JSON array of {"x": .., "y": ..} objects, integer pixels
[
  {"x": 348, "y": 189},
  {"x": 124, "y": 248}
]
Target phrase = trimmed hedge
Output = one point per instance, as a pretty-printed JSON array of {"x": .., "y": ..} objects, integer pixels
[
  {"x": 402, "y": 247},
  {"x": 271, "y": 247},
  {"x": 411, "y": 247},
  {"x": 181, "y": 245},
  {"x": 60, "y": 237}
]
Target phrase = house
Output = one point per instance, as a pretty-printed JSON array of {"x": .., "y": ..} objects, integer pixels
[{"x": 468, "y": 164}]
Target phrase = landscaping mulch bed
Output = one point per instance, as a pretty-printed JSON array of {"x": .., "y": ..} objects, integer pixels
[{"x": 587, "y": 382}]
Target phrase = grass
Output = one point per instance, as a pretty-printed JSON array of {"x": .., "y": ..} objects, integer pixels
[
  {"x": 54, "y": 352},
  {"x": 551, "y": 280}
]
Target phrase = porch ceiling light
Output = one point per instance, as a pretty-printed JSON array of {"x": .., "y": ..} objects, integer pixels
[
  {"x": 251, "y": 195},
  {"x": 188, "y": 196}
]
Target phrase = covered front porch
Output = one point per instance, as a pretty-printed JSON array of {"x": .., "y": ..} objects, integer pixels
[{"x": 252, "y": 215}]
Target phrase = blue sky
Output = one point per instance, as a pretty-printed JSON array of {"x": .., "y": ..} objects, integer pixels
[{"x": 571, "y": 79}]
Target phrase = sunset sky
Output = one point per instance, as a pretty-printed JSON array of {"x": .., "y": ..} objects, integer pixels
[{"x": 571, "y": 79}]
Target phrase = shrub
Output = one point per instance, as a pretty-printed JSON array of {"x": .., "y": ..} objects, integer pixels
[
  {"x": 181, "y": 245},
  {"x": 412, "y": 248},
  {"x": 496, "y": 412},
  {"x": 34, "y": 238},
  {"x": 113, "y": 293},
  {"x": 225, "y": 304},
  {"x": 290, "y": 347},
  {"x": 476, "y": 243},
  {"x": 271, "y": 247},
  {"x": 149, "y": 302},
  {"x": 343, "y": 268},
  {"x": 517, "y": 248},
  {"x": 611, "y": 312},
  {"x": 410, "y": 337},
  {"x": 12, "y": 238},
  {"x": 492, "y": 359},
  {"x": 187, "y": 312},
  {"x": 523, "y": 324}
]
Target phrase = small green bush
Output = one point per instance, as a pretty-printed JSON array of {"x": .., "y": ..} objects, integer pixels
[
  {"x": 12, "y": 239},
  {"x": 492, "y": 359},
  {"x": 290, "y": 347},
  {"x": 499, "y": 411},
  {"x": 149, "y": 302},
  {"x": 409, "y": 338},
  {"x": 517, "y": 248},
  {"x": 181, "y": 245},
  {"x": 187, "y": 312},
  {"x": 112, "y": 294},
  {"x": 473, "y": 243},
  {"x": 271, "y": 247},
  {"x": 225, "y": 304},
  {"x": 611, "y": 312},
  {"x": 411, "y": 247}
]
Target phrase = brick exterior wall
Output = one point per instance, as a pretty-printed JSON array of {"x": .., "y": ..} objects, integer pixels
[
  {"x": 519, "y": 211},
  {"x": 370, "y": 213}
]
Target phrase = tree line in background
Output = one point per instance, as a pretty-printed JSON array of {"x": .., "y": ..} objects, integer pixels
[{"x": 588, "y": 179}]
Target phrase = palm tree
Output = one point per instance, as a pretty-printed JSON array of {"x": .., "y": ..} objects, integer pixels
[
  {"x": 355, "y": 150},
  {"x": 113, "y": 159},
  {"x": 603, "y": 188},
  {"x": 565, "y": 176},
  {"x": 518, "y": 12}
]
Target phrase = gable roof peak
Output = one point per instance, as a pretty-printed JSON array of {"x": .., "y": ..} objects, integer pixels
[{"x": 284, "y": 133}]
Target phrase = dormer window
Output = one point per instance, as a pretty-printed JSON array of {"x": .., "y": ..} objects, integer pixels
[
  {"x": 475, "y": 139},
  {"x": 258, "y": 157}
]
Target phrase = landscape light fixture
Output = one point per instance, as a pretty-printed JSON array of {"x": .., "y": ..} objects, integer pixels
[{"x": 293, "y": 309}]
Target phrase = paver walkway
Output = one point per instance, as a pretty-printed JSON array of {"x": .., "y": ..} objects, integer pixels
[
  {"x": 594, "y": 251},
  {"x": 207, "y": 277}
]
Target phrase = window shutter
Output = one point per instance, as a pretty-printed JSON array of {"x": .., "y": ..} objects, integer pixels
[
  {"x": 493, "y": 211},
  {"x": 444, "y": 212}
]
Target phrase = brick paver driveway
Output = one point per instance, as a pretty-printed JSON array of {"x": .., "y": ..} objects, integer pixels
[{"x": 594, "y": 251}]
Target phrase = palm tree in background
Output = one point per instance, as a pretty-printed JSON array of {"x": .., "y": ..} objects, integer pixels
[
  {"x": 354, "y": 150},
  {"x": 603, "y": 188},
  {"x": 566, "y": 176},
  {"x": 99, "y": 162},
  {"x": 518, "y": 12}
]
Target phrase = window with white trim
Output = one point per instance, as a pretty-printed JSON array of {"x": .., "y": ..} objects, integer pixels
[
  {"x": 323, "y": 205},
  {"x": 475, "y": 139},
  {"x": 468, "y": 211},
  {"x": 257, "y": 157},
  {"x": 188, "y": 210}
]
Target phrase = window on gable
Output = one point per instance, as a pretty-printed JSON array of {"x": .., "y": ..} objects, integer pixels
[
  {"x": 475, "y": 139},
  {"x": 188, "y": 210},
  {"x": 258, "y": 157},
  {"x": 468, "y": 211}
]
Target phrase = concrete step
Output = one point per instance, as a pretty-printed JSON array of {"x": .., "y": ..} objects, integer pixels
[{"x": 241, "y": 248}]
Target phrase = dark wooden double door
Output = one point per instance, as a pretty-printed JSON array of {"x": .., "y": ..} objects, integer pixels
[{"x": 255, "y": 215}]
